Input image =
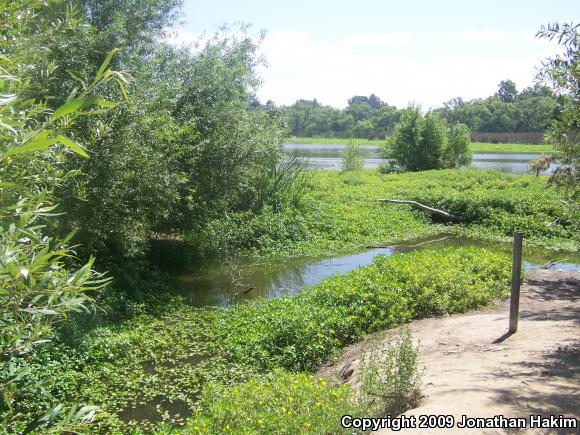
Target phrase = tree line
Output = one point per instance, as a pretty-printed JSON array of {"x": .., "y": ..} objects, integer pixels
[{"x": 507, "y": 111}]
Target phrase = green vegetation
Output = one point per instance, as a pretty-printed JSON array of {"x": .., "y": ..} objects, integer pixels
[
  {"x": 153, "y": 367},
  {"x": 175, "y": 150},
  {"x": 280, "y": 403},
  {"x": 390, "y": 377},
  {"x": 458, "y": 151},
  {"x": 352, "y": 159},
  {"x": 493, "y": 205},
  {"x": 562, "y": 72},
  {"x": 340, "y": 213},
  {"x": 41, "y": 280},
  {"x": 297, "y": 403},
  {"x": 424, "y": 142},
  {"x": 476, "y": 147}
]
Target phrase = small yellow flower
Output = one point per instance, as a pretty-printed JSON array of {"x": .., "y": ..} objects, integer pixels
[
  {"x": 260, "y": 421},
  {"x": 290, "y": 398},
  {"x": 318, "y": 403},
  {"x": 307, "y": 424}
]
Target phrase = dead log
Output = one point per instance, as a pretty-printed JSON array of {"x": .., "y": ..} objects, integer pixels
[
  {"x": 553, "y": 263},
  {"x": 406, "y": 246},
  {"x": 424, "y": 207}
]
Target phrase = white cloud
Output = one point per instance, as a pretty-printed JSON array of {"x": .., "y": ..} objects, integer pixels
[
  {"x": 370, "y": 39},
  {"x": 398, "y": 67},
  {"x": 180, "y": 38},
  {"x": 394, "y": 67},
  {"x": 476, "y": 34}
]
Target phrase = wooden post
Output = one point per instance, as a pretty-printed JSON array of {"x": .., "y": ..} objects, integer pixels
[{"x": 516, "y": 278}]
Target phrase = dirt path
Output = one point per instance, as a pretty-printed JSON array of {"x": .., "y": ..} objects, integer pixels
[{"x": 471, "y": 368}]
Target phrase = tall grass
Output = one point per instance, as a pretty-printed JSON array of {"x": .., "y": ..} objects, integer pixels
[
  {"x": 284, "y": 183},
  {"x": 390, "y": 376}
]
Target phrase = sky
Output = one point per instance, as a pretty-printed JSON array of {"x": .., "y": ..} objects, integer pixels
[{"x": 405, "y": 52}]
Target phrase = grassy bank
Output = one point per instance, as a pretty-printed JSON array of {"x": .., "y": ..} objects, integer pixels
[
  {"x": 478, "y": 147},
  {"x": 341, "y": 213},
  {"x": 154, "y": 368}
]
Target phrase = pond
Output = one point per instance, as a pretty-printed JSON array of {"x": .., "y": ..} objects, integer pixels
[
  {"x": 244, "y": 279},
  {"x": 329, "y": 156}
]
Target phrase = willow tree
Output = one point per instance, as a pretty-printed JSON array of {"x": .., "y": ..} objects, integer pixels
[
  {"x": 41, "y": 280},
  {"x": 563, "y": 72}
]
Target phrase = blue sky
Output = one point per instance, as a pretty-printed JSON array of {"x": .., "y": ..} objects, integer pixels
[{"x": 423, "y": 52}]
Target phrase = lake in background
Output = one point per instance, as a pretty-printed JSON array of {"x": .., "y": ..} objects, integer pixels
[{"x": 329, "y": 156}]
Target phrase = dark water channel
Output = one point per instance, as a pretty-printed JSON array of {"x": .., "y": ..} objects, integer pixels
[{"x": 244, "y": 279}]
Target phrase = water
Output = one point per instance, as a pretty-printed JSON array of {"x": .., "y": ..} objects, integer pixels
[
  {"x": 244, "y": 279},
  {"x": 329, "y": 156}
]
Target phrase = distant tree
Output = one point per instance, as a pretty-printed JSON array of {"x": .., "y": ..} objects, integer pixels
[
  {"x": 253, "y": 101},
  {"x": 458, "y": 152},
  {"x": 384, "y": 119},
  {"x": 358, "y": 109},
  {"x": 507, "y": 91},
  {"x": 358, "y": 99},
  {"x": 363, "y": 129},
  {"x": 375, "y": 102}
]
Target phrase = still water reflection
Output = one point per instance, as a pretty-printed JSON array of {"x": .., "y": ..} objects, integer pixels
[{"x": 244, "y": 279}]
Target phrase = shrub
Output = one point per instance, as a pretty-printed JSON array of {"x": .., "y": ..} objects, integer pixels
[
  {"x": 457, "y": 153},
  {"x": 352, "y": 159},
  {"x": 540, "y": 164},
  {"x": 390, "y": 377},
  {"x": 422, "y": 142}
]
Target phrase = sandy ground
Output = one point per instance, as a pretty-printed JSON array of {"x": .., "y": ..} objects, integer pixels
[{"x": 471, "y": 367}]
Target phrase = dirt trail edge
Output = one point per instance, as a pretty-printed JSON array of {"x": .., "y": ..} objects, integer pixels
[{"x": 471, "y": 368}]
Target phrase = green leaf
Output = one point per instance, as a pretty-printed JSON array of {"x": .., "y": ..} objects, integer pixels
[
  {"x": 72, "y": 145},
  {"x": 76, "y": 76},
  {"x": 73, "y": 106},
  {"x": 40, "y": 143},
  {"x": 79, "y": 104},
  {"x": 105, "y": 64}
]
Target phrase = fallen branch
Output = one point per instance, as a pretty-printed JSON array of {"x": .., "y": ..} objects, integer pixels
[
  {"x": 424, "y": 207},
  {"x": 406, "y": 246},
  {"x": 553, "y": 263},
  {"x": 244, "y": 292}
]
